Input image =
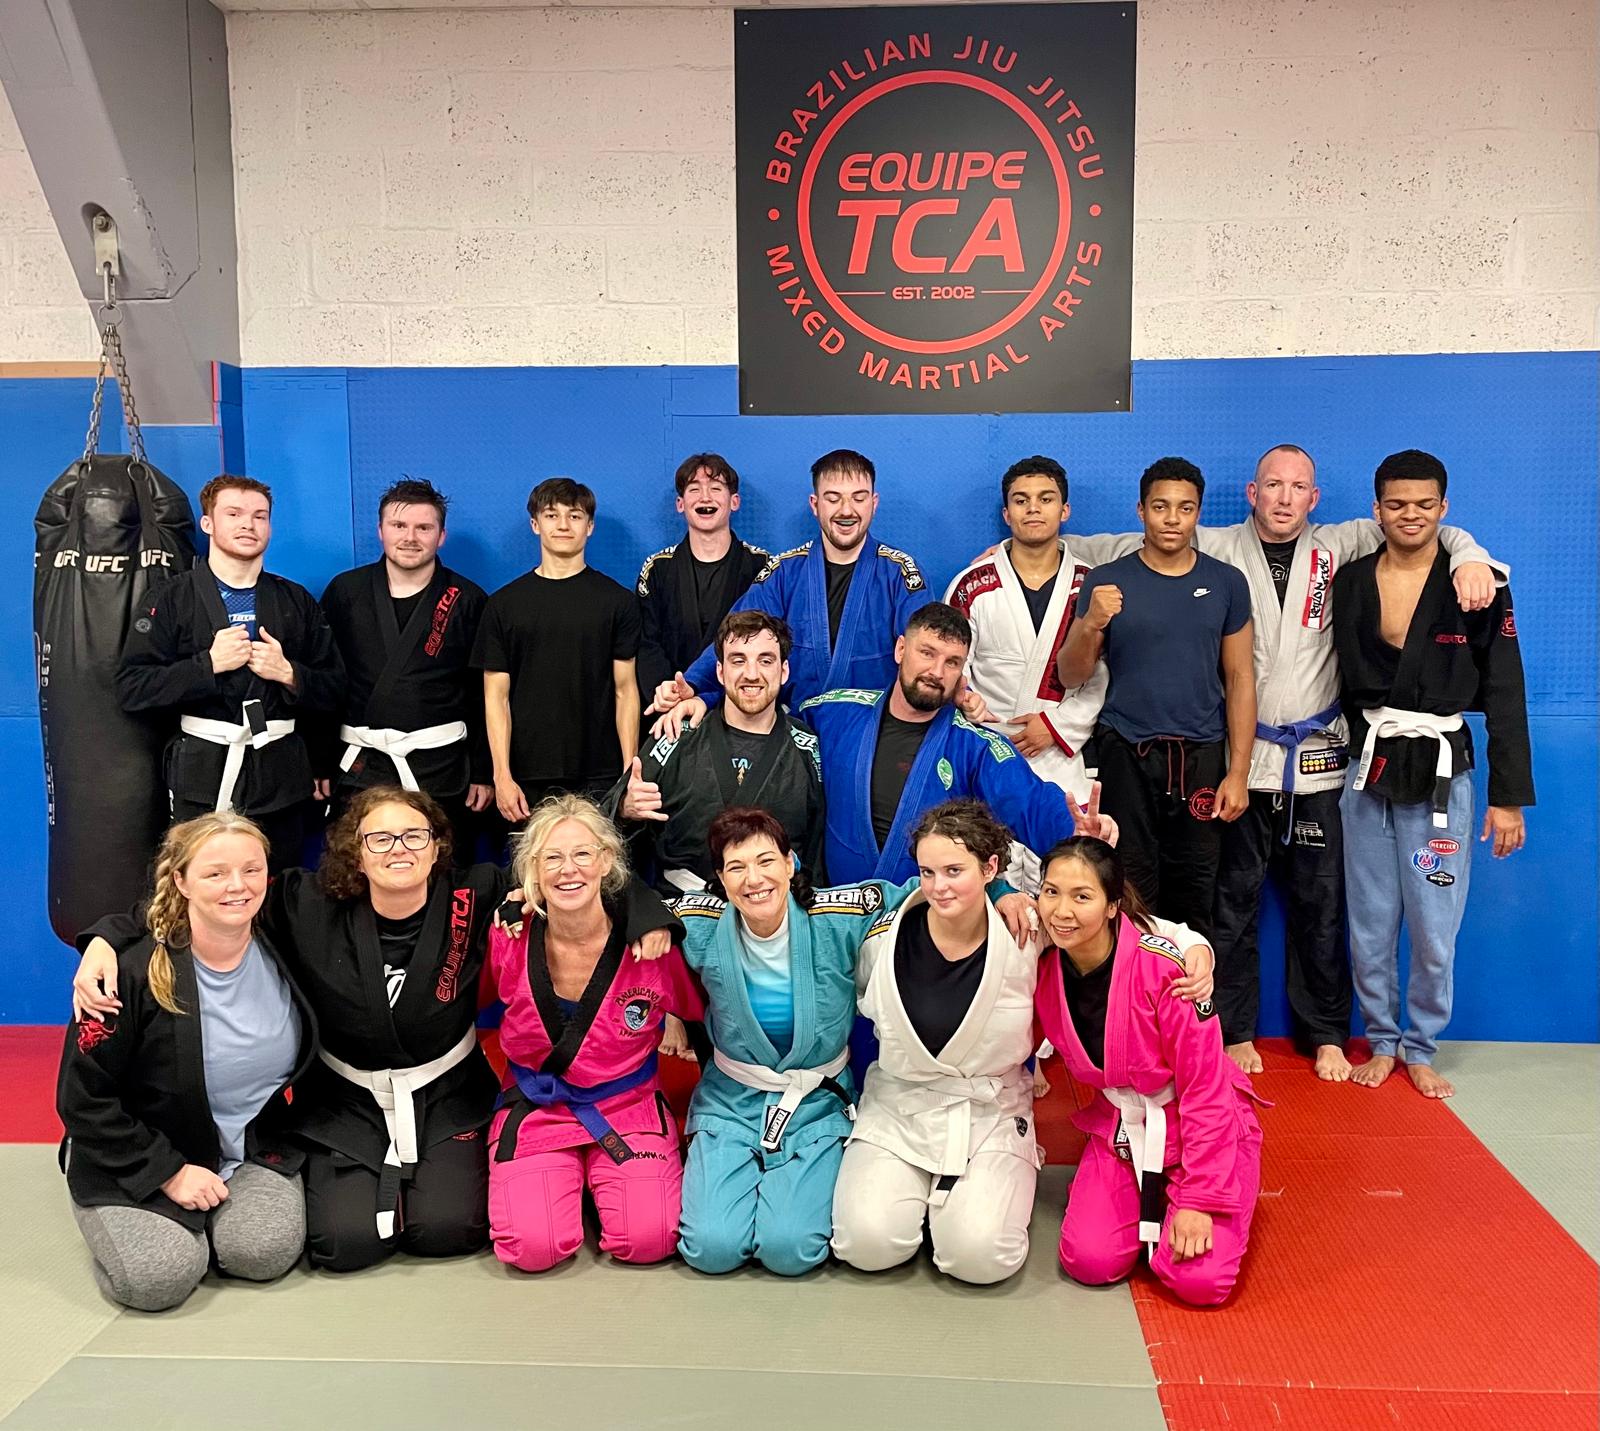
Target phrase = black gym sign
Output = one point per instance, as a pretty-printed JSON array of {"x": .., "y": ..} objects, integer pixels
[{"x": 935, "y": 208}]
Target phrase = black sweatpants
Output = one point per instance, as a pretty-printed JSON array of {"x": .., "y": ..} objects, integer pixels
[
  {"x": 285, "y": 829},
  {"x": 1162, "y": 794},
  {"x": 1309, "y": 870},
  {"x": 444, "y": 1208}
]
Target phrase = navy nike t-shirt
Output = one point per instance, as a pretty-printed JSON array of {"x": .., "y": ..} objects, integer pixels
[{"x": 1164, "y": 647}]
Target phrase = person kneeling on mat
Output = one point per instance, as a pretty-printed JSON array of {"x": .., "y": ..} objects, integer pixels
[
  {"x": 945, "y": 1128},
  {"x": 388, "y": 939},
  {"x": 582, "y": 1104},
  {"x": 1174, "y": 1153},
  {"x": 178, "y": 1109}
]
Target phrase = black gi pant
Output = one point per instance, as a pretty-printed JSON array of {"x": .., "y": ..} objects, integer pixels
[
  {"x": 1310, "y": 873},
  {"x": 1162, "y": 793},
  {"x": 285, "y": 829},
  {"x": 443, "y": 1212}
]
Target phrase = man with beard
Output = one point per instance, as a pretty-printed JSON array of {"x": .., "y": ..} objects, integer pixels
[
  {"x": 412, "y": 713},
  {"x": 686, "y": 590},
  {"x": 1412, "y": 661},
  {"x": 844, "y": 598},
  {"x": 746, "y": 752},
  {"x": 238, "y": 655},
  {"x": 888, "y": 755}
]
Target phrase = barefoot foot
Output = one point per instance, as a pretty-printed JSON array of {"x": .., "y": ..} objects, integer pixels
[
  {"x": 1245, "y": 1055},
  {"x": 1041, "y": 1084},
  {"x": 1428, "y": 1083},
  {"x": 1371, "y": 1073},
  {"x": 1331, "y": 1065}
]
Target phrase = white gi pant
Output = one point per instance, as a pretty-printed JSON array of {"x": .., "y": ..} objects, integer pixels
[{"x": 979, "y": 1228}]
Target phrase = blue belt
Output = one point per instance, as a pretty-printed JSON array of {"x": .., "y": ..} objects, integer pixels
[
  {"x": 1292, "y": 736},
  {"x": 544, "y": 1090}
]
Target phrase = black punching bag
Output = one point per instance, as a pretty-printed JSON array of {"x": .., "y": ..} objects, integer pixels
[{"x": 107, "y": 530}]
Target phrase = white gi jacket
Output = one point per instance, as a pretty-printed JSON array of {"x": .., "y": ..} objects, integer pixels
[{"x": 937, "y": 1112}]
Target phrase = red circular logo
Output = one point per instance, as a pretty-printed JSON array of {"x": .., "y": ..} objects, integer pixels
[
  {"x": 940, "y": 248},
  {"x": 1203, "y": 803}
]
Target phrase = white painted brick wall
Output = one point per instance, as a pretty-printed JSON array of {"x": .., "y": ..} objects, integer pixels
[{"x": 505, "y": 185}]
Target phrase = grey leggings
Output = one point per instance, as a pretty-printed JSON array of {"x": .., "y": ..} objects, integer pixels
[{"x": 150, "y": 1263}]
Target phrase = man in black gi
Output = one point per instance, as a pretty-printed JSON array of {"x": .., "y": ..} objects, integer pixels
[
  {"x": 1412, "y": 661},
  {"x": 238, "y": 654},
  {"x": 686, "y": 590},
  {"x": 412, "y": 713},
  {"x": 745, "y": 752}
]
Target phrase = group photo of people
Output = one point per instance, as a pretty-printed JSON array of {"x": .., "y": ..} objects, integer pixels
[{"x": 885, "y": 862}]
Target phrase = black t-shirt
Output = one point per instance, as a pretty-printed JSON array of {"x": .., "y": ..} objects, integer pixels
[
  {"x": 557, "y": 640},
  {"x": 705, "y": 576},
  {"x": 839, "y": 578},
  {"x": 746, "y": 747},
  {"x": 1280, "y": 557},
  {"x": 397, "y": 938},
  {"x": 1039, "y": 601},
  {"x": 936, "y": 992},
  {"x": 405, "y": 605},
  {"x": 898, "y": 744},
  {"x": 1087, "y": 997}
]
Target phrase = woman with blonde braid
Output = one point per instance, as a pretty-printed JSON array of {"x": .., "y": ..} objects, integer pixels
[{"x": 179, "y": 1145}]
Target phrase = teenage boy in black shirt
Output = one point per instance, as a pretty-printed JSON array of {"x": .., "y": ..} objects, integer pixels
[{"x": 557, "y": 650}]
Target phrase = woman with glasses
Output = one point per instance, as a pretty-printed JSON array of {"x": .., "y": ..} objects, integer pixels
[
  {"x": 582, "y": 1106},
  {"x": 388, "y": 942}
]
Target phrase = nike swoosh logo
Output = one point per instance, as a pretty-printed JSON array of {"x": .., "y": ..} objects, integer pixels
[{"x": 1202, "y": 591}]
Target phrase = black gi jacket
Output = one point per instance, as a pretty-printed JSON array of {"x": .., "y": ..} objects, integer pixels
[
  {"x": 332, "y": 946},
  {"x": 698, "y": 782},
  {"x": 166, "y": 666},
  {"x": 1453, "y": 661},
  {"x": 677, "y": 626},
  {"x": 406, "y": 680},
  {"x": 132, "y": 1093}
]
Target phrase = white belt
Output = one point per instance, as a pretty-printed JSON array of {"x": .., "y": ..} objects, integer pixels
[
  {"x": 235, "y": 737},
  {"x": 394, "y": 1090},
  {"x": 793, "y": 1083},
  {"x": 397, "y": 744},
  {"x": 956, "y": 1096},
  {"x": 1386, "y": 721},
  {"x": 686, "y": 880},
  {"x": 1144, "y": 1120}
]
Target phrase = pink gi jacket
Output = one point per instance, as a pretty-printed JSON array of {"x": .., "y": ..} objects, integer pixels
[
  {"x": 613, "y": 1035},
  {"x": 1153, "y": 1039}
]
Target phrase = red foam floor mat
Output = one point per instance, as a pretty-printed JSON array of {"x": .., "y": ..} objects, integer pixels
[{"x": 1399, "y": 1277}]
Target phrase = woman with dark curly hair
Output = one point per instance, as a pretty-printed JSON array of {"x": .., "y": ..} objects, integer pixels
[{"x": 388, "y": 942}]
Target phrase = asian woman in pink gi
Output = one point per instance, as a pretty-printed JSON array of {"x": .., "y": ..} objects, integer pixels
[
  {"x": 1173, "y": 1160},
  {"x": 582, "y": 1105}
]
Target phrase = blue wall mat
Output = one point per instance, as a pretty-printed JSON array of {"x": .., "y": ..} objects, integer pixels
[{"x": 1513, "y": 429}]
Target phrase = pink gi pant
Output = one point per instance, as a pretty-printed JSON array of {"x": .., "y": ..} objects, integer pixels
[
  {"x": 536, "y": 1202},
  {"x": 1100, "y": 1232}
]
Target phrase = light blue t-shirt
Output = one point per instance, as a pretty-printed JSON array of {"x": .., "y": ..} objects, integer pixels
[
  {"x": 250, "y": 1031},
  {"x": 767, "y": 976}
]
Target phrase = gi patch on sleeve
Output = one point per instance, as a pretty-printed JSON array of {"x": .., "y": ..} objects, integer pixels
[
  {"x": 947, "y": 776},
  {"x": 908, "y": 567},
  {"x": 1204, "y": 1009},
  {"x": 1160, "y": 944},
  {"x": 848, "y": 899},
  {"x": 699, "y": 906}
]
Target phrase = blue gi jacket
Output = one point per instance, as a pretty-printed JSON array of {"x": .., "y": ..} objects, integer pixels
[
  {"x": 886, "y": 588},
  {"x": 957, "y": 759}
]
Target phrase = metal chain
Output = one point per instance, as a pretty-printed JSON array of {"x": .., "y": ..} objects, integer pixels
[{"x": 112, "y": 356}]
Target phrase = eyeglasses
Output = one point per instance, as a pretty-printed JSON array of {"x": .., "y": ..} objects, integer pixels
[
  {"x": 584, "y": 857},
  {"x": 380, "y": 842}
]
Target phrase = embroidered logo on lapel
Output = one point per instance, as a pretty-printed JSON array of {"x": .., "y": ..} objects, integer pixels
[
  {"x": 664, "y": 747},
  {"x": 908, "y": 567},
  {"x": 1315, "y": 615},
  {"x": 460, "y": 932},
  {"x": 441, "y": 620},
  {"x": 805, "y": 741},
  {"x": 974, "y": 584}
]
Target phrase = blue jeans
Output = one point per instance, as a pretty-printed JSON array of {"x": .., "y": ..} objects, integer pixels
[{"x": 1398, "y": 863}]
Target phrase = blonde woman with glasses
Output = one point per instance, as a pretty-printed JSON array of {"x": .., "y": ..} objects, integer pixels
[{"x": 582, "y": 1106}]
